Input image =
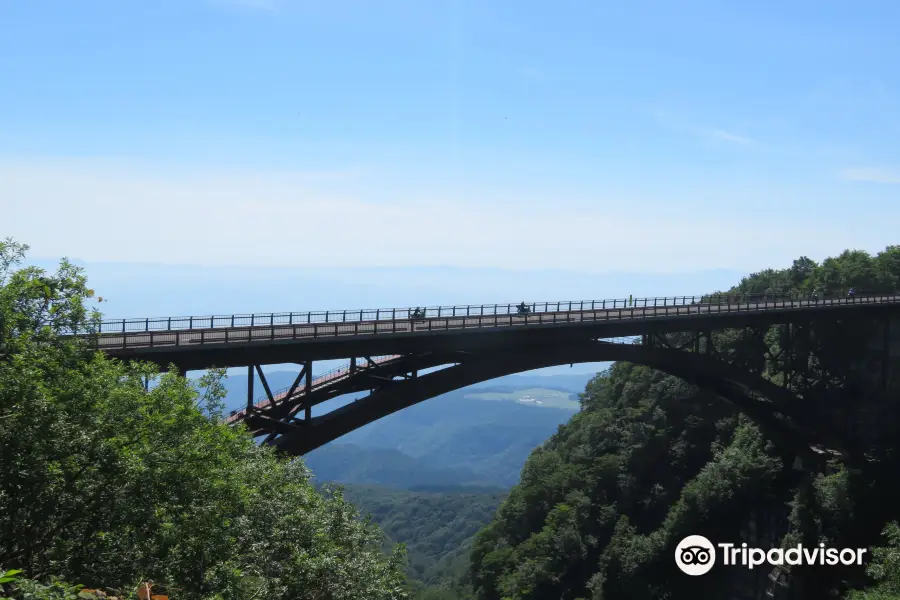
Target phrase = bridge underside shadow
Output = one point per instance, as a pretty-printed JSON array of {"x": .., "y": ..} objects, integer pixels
[{"x": 776, "y": 410}]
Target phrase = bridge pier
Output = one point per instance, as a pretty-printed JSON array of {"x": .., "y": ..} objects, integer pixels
[
  {"x": 879, "y": 412},
  {"x": 787, "y": 346},
  {"x": 249, "y": 388}
]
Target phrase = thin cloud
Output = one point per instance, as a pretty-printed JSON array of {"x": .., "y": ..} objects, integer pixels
[
  {"x": 871, "y": 175},
  {"x": 729, "y": 137},
  {"x": 686, "y": 126}
]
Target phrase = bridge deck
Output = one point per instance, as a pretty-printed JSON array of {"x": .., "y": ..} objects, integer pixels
[{"x": 190, "y": 338}]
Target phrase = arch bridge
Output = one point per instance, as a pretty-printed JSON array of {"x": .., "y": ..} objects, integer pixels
[{"x": 392, "y": 354}]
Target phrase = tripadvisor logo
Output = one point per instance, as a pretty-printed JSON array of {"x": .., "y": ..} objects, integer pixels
[{"x": 696, "y": 555}]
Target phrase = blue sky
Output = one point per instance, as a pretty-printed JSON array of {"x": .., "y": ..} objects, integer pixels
[{"x": 591, "y": 137}]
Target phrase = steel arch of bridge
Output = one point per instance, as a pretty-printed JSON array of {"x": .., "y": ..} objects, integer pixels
[
  {"x": 774, "y": 408},
  {"x": 484, "y": 342}
]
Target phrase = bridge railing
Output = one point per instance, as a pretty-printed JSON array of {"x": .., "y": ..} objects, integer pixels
[{"x": 148, "y": 324}]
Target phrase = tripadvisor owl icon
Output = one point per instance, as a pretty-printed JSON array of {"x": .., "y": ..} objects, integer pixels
[{"x": 695, "y": 555}]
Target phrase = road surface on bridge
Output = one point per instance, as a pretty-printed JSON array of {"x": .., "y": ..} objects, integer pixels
[{"x": 397, "y": 324}]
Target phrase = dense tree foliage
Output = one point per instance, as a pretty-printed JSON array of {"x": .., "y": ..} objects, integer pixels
[
  {"x": 437, "y": 527},
  {"x": 108, "y": 484},
  {"x": 884, "y": 568},
  {"x": 650, "y": 459}
]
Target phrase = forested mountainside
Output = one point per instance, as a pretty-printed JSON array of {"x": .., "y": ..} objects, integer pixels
[
  {"x": 650, "y": 459},
  {"x": 437, "y": 525}
]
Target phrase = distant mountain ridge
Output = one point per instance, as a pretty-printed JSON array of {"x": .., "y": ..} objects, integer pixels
[{"x": 352, "y": 464}]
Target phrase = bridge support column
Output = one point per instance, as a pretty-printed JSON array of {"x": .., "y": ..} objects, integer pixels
[
  {"x": 308, "y": 367},
  {"x": 250, "y": 377},
  {"x": 886, "y": 360},
  {"x": 788, "y": 355}
]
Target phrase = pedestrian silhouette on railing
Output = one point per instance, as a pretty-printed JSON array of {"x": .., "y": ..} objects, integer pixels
[
  {"x": 418, "y": 313},
  {"x": 523, "y": 309},
  {"x": 852, "y": 292},
  {"x": 815, "y": 295}
]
